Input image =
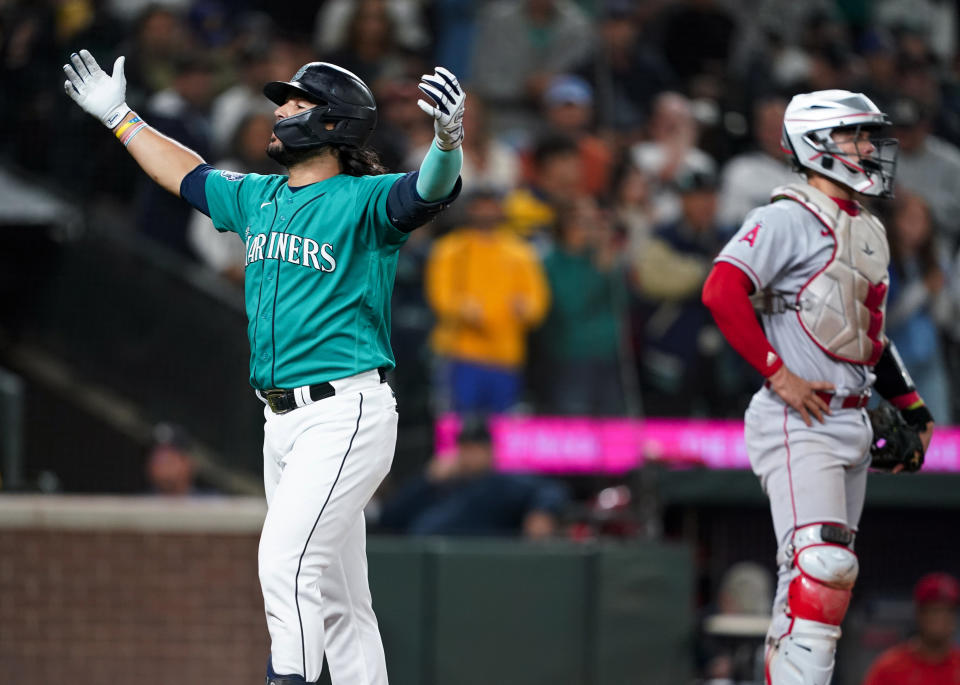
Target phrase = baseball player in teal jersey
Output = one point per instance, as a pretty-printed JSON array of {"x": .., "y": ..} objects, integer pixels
[{"x": 321, "y": 257}]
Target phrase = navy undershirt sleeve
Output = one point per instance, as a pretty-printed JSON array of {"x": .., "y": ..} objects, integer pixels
[
  {"x": 407, "y": 210},
  {"x": 193, "y": 188}
]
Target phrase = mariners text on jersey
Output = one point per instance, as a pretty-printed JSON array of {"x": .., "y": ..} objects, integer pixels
[
  {"x": 320, "y": 264},
  {"x": 291, "y": 248}
]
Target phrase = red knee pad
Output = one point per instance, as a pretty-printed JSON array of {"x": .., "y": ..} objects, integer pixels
[{"x": 810, "y": 599}]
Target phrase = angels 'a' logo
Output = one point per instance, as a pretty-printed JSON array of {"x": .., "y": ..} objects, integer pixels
[{"x": 750, "y": 237}]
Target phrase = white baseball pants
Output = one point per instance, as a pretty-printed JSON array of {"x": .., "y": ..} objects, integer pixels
[
  {"x": 322, "y": 464},
  {"x": 812, "y": 474}
]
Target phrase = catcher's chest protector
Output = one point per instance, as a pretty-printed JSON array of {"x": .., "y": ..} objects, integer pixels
[{"x": 842, "y": 307}]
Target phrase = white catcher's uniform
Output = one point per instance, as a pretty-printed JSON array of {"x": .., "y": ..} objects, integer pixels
[{"x": 814, "y": 474}]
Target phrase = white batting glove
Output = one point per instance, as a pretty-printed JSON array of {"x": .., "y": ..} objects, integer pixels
[
  {"x": 443, "y": 88},
  {"x": 90, "y": 87}
]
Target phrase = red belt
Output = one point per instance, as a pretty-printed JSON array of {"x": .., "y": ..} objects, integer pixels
[{"x": 849, "y": 402}]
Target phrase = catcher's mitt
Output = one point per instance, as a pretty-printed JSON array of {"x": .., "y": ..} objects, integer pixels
[{"x": 894, "y": 441}]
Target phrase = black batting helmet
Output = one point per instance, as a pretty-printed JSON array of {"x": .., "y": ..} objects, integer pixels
[{"x": 342, "y": 99}]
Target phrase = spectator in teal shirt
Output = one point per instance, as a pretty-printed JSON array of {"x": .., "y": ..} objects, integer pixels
[{"x": 583, "y": 331}]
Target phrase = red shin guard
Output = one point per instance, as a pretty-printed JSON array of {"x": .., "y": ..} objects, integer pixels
[{"x": 810, "y": 599}]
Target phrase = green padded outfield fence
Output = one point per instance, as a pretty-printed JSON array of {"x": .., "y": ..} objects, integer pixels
[{"x": 469, "y": 612}]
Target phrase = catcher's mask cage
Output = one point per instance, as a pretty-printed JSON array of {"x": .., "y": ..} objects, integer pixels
[
  {"x": 342, "y": 100},
  {"x": 809, "y": 123}
]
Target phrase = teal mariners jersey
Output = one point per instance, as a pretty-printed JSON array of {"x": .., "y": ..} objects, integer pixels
[{"x": 320, "y": 267}]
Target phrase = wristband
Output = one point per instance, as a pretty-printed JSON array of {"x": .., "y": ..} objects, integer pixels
[
  {"x": 124, "y": 127},
  {"x": 133, "y": 132},
  {"x": 908, "y": 400},
  {"x": 918, "y": 417}
]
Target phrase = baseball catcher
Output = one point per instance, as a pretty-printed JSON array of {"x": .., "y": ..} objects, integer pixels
[{"x": 815, "y": 263}]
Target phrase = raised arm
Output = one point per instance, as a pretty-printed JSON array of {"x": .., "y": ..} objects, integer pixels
[
  {"x": 104, "y": 96},
  {"x": 418, "y": 197},
  {"x": 441, "y": 165}
]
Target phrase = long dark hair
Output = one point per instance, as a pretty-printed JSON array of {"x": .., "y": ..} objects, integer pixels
[{"x": 362, "y": 161}]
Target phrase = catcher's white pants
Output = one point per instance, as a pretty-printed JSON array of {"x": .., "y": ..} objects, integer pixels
[
  {"x": 812, "y": 474},
  {"x": 322, "y": 463}
]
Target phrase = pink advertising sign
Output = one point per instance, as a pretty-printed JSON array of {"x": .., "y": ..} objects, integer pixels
[{"x": 571, "y": 445}]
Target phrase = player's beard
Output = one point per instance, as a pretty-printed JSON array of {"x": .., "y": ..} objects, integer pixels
[{"x": 287, "y": 158}]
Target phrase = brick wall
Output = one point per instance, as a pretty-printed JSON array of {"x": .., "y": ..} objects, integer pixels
[
  {"x": 148, "y": 607},
  {"x": 156, "y": 591}
]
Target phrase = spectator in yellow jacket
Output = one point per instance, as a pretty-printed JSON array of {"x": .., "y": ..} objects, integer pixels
[{"x": 487, "y": 289}]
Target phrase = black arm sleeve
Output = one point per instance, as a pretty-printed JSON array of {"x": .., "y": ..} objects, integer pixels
[
  {"x": 895, "y": 385},
  {"x": 407, "y": 210},
  {"x": 192, "y": 188},
  {"x": 893, "y": 380}
]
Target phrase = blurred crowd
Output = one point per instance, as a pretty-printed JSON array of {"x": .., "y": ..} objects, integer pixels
[{"x": 612, "y": 146}]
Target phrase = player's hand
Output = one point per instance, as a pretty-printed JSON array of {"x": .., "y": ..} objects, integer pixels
[
  {"x": 97, "y": 93},
  {"x": 801, "y": 394},
  {"x": 447, "y": 111}
]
